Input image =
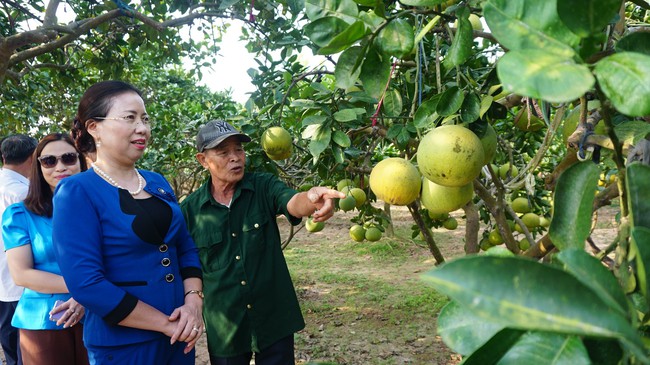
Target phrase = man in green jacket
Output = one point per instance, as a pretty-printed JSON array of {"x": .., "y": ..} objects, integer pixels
[{"x": 250, "y": 302}]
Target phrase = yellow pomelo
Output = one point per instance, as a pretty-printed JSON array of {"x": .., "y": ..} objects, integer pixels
[
  {"x": 531, "y": 220},
  {"x": 312, "y": 226},
  {"x": 528, "y": 122},
  {"x": 451, "y": 155},
  {"x": 489, "y": 142},
  {"x": 443, "y": 199},
  {"x": 573, "y": 117},
  {"x": 506, "y": 169},
  {"x": 276, "y": 142},
  {"x": 348, "y": 203},
  {"x": 395, "y": 181},
  {"x": 345, "y": 183},
  {"x": 495, "y": 237},
  {"x": 373, "y": 234},
  {"x": 524, "y": 244},
  {"x": 485, "y": 244},
  {"x": 357, "y": 233},
  {"x": 450, "y": 223},
  {"x": 520, "y": 205},
  {"x": 359, "y": 195}
]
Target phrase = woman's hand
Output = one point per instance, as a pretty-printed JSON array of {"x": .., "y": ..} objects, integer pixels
[
  {"x": 73, "y": 313},
  {"x": 189, "y": 322}
]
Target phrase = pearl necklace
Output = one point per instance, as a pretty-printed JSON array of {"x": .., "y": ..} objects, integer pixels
[{"x": 106, "y": 177}]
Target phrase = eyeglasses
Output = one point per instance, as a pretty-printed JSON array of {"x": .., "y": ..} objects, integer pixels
[
  {"x": 68, "y": 159},
  {"x": 129, "y": 119}
]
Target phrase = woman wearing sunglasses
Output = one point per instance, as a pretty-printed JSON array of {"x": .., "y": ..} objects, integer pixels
[
  {"x": 49, "y": 334},
  {"x": 130, "y": 259}
]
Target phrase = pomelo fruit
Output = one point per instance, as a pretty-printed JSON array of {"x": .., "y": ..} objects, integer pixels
[
  {"x": 489, "y": 142},
  {"x": 450, "y": 155},
  {"x": 345, "y": 183},
  {"x": 495, "y": 237},
  {"x": 357, "y": 233},
  {"x": 312, "y": 226},
  {"x": 524, "y": 244},
  {"x": 508, "y": 168},
  {"x": 531, "y": 220},
  {"x": 520, "y": 205},
  {"x": 348, "y": 203},
  {"x": 528, "y": 122},
  {"x": 359, "y": 195},
  {"x": 450, "y": 223},
  {"x": 276, "y": 143},
  {"x": 395, "y": 181},
  {"x": 373, "y": 234},
  {"x": 440, "y": 199},
  {"x": 573, "y": 117}
]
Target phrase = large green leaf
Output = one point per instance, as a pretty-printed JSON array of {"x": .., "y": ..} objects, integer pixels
[
  {"x": 461, "y": 46},
  {"x": 320, "y": 140},
  {"x": 592, "y": 273},
  {"x": 638, "y": 42},
  {"x": 640, "y": 249},
  {"x": 341, "y": 139},
  {"x": 548, "y": 349},
  {"x": 392, "y": 105},
  {"x": 344, "y": 71},
  {"x": 346, "y": 10},
  {"x": 523, "y": 294},
  {"x": 632, "y": 131},
  {"x": 345, "y": 115},
  {"x": 542, "y": 75},
  {"x": 587, "y": 17},
  {"x": 375, "y": 72},
  {"x": 638, "y": 194},
  {"x": 532, "y": 24},
  {"x": 493, "y": 350},
  {"x": 625, "y": 80},
  {"x": 463, "y": 331},
  {"x": 471, "y": 108},
  {"x": 345, "y": 39},
  {"x": 396, "y": 38},
  {"x": 574, "y": 196},
  {"x": 450, "y": 101},
  {"x": 322, "y": 31},
  {"x": 426, "y": 115}
]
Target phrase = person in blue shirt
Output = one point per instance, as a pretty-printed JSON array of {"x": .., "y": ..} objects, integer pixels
[
  {"x": 121, "y": 240},
  {"x": 27, "y": 234}
]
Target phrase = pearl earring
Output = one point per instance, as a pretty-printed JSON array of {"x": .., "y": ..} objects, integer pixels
[{"x": 98, "y": 144}]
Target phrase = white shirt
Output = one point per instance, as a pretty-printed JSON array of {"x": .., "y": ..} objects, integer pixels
[{"x": 13, "y": 189}]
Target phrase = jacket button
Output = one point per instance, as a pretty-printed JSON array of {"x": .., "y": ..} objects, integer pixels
[
  {"x": 237, "y": 257},
  {"x": 249, "y": 306},
  {"x": 165, "y": 262},
  {"x": 163, "y": 248},
  {"x": 169, "y": 278},
  {"x": 257, "y": 225},
  {"x": 243, "y": 282}
]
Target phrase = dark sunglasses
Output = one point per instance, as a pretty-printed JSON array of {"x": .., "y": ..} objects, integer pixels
[{"x": 50, "y": 161}]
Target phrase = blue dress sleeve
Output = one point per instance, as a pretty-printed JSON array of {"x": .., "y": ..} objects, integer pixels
[
  {"x": 15, "y": 231},
  {"x": 77, "y": 238}
]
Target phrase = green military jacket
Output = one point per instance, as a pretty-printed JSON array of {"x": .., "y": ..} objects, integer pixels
[{"x": 250, "y": 302}]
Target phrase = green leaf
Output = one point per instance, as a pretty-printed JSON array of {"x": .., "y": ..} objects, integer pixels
[
  {"x": 392, "y": 106},
  {"x": 543, "y": 75},
  {"x": 462, "y": 331},
  {"x": 313, "y": 119},
  {"x": 345, "y": 115},
  {"x": 427, "y": 3},
  {"x": 396, "y": 38},
  {"x": 341, "y": 139},
  {"x": 296, "y": 6},
  {"x": 345, "y": 39},
  {"x": 450, "y": 101},
  {"x": 592, "y": 273},
  {"x": 471, "y": 108},
  {"x": 640, "y": 249},
  {"x": 320, "y": 141},
  {"x": 495, "y": 348},
  {"x": 344, "y": 71},
  {"x": 573, "y": 200},
  {"x": 324, "y": 30},
  {"x": 346, "y": 10},
  {"x": 339, "y": 156},
  {"x": 638, "y": 194},
  {"x": 426, "y": 116},
  {"x": 603, "y": 351},
  {"x": 548, "y": 349},
  {"x": 625, "y": 80},
  {"x": 587, "y": 17},
  {"x": 523, "y": 294},
  {"x": 375, "y": 72},
  {"x": 461, "y": 46},
  {"x": 632, "y": 131},
  {"x": 532, "y": 24},
  {"x": 638, "y": 42}
]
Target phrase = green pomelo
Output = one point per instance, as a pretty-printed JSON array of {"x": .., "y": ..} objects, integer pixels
[
  {"x": 520, "y": 205},
  {"x": 524, "y": 244},
  {"x": 348, "y": 203},
  {"x": 395, "y": 181},
  {"x": 373, "y": 234},
  {"x": 345, "y": 183},
  {"x": 312, "y": 226},
  {"x": 531, "y": 220},
  {"x": 573, "y": 117},
  {"x": 495, "y": 237},
  {"x": 528, "y": 122},
  {"x": 508, "y": 168},
  {"x": 440, "y": 199},
  {"x": 276, "y": 143},
  {"x": 357, "y": 233},
  {"x": 450, "y": 155},
  {"x": 359, "y": 195},
  {"x": 450, "y": 223}
]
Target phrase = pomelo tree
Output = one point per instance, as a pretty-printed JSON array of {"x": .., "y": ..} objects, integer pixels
[{"x": 396, "y": 71}]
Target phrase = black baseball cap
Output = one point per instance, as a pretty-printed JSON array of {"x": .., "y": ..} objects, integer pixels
[{"x": 216, "y": 131}]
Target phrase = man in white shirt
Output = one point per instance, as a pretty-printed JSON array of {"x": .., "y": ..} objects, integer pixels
[{"x": 16, "y": 154}]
